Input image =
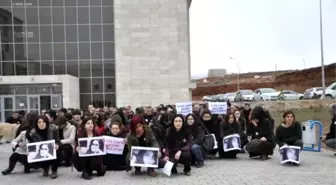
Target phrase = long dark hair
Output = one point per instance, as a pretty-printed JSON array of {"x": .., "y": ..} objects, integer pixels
[
  {"x": 82, "y": 126},
  {"x": 45, "y": 119},
  {"x": 285, "y": 114},
  {"x": 173, "y": 134}
]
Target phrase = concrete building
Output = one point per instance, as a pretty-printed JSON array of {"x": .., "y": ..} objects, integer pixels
[
  {"x": 73, "y": 53},
  {"x": 216, "y": 73}
]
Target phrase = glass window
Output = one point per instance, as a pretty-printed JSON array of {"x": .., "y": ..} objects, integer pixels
[
  {"x": 108, "y": 32},
  {"x": 108, "y": 50},
  {"x": 31, "y": 3},
  {"x": 71, "y": 51},
  {"x": 45, "y": 33},
  {"x": 72, "y": 68},
  {"x": 71, "y": 33},
  {"x": 107, "y": 2},
  {"x": 57, "y": 3},
  {"x": 109, "y": 84},
  {"x": 97, "y": 68},
  {"x": 58, "y": 33},
  {"x": 20, "y": 53},
  {"x": 70, "y": 15},
  {"x": 96, "y": 33},
  {"x": 85, "y": 101},
  {"x": 19, "y": 14},
  {"x": 70, "y": 3},
  {"x": 46, "y": 68},
  {"x": 84, "y": 33},
  {"x": 19, "y": 31},
  {"x": 6, "y": 33},
  {"x": 109, "y": 68},
  {"x": 45, "y": 15},
  {"x": 108, "y": 15},
  {"x": 59, "y": 67},
  {"x": 96, "y": 50},
  {"x": 20, "y": 102},
  {"x": 21, "y": 68},
  {"x": 7, "y": 52},
  {"x": 20, "y": 90},
  {"x": 84, "y": 50},
  {"x": 58, "y": 15},
  {"x": 42, "y": 89},
  {"x": 83, "y": 15},
  {"x": 32, "y": 15},
  {"x": 45, "y": 3},
  {"x": 84, "y": 68},
  {"x": 59, "y": 51},
  {"x": 95, "y": 3},
  {"x": 97, "y": 85},
  {"x": 46, "y": 52},
  {"x": 33, "y": 52},
  {"x": 6, "y": 3},
  {"x": 56, "y": 89},
  {"x": 85, "y": 85},
  {"x": 95, "y": 15},
  {"x": 33, "y": 34},
  {"x": 34, "y": 68},
  {"x": 110, "y": 100},
  {"x": 98, "y": 100}
]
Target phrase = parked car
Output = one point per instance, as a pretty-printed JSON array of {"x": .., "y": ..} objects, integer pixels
[
  {"x": 310, "y": 93},
  {"x": 265, "y": 94},
  {"x": 230, "y": 96},
  {"x": 244, "y": 95},
  {"x": 292, "y": 95},
  {"x": 206, "y": 98},
  {"x": 213, "y": 98},
  {"x": 330, "y": 91},
  {"x": 220, "y": 97}
]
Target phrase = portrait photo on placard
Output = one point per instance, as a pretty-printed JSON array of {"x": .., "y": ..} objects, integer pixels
[
  {"x": 145, "y": 157},
  {"x": 290, "y": 154},
  {"x": 92, "y": 146},
  {"x": 41, "y": 151},
  {"x": 231, "y": 142}
]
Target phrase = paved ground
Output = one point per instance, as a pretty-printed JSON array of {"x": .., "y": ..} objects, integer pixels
[{"x": 315, "y": 169}]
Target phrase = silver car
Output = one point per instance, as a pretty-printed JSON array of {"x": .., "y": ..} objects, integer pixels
[
  {"x": 266, "y": 94},
  {"x": 244, "y": 95}
]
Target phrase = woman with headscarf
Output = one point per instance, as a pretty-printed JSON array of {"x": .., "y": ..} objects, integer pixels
[
  {"x": 178, "y": 144},
  {"x": 330, "y": 138},
  {"x": 212, "y": 126},
  {"x": 140, "y": 135},
  {"x": 262, "y": 143},
  {"x": 44, "y": 131},
  {"x": 87, "y": 165},
  {"x": 197, "y": 148},
  {"x": 228, "y": 127}
]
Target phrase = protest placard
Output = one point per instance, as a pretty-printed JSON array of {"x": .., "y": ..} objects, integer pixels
[
  {"x": 218, "y": 107},
  {"x": 184, "y": 108},
  {"x": 114, "y": 145}
]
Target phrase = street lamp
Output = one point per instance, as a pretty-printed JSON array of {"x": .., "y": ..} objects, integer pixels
[
  {"x": 322, "y": 53},
  {"x": 237, "y": 72}
]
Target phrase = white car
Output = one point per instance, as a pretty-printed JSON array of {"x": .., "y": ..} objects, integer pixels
[
  {"x": 266, "y": 94},
  {"x": 206, "y": 98},
  {"x": 330, "y": 91},
  {"x": 230, "y": 97},
  {"x": 292, "y": 95}
]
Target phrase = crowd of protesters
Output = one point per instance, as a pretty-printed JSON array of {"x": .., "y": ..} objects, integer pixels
[{"x": 180, "y": 138}]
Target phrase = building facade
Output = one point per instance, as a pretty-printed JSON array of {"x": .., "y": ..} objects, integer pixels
[{"x": 55, "y": 38}]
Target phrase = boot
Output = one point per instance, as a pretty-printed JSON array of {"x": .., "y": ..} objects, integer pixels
[
  {"x": 200, "y": 164},
  {"x": 10, "y": 168},
  {"x": 45, "y": 172},
  {"x": 174, "y": 170},
  {"x": 137, "y": 171},
  {"x": 6, "y": 171},
  {"x": 152, "y": 173},
  {"x": 263, "y": 157},
  {"x": 53, "y": 175},
  {"x": 86, "y": 176},
  {"x": 26, "y": 169},
  {"x": 101, "y": 171}
]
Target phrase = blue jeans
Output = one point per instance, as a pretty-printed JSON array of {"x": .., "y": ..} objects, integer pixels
[{"x": 196, "y": 152}]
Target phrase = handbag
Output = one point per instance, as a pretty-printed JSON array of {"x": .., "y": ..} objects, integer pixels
[{"x": 209, "y": 142}]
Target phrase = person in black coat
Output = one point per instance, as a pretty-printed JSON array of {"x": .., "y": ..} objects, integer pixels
[
  {"x": 260, "y": 130},
  {"x": 44, "y": 131},
  {"x": 212, "y": 126},
  {"x": 112, "y": 161},
  {"x": 242, "y": 121},
  {"x": 228, "y": 127},
  {"x": 330, "y": 138},
  {"x": 197, "y": 148}
]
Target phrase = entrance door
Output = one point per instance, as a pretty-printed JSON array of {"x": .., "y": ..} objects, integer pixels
[
  {"x": 56, "y": 102},
  {"x": 34, "y": 104},
  {"x": 7, "y": 107}
]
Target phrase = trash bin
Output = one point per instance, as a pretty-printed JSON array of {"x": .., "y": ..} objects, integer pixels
[{"x": 308, "y": 134}]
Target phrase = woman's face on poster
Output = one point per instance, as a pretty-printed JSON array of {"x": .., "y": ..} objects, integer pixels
[
  {"x": 148, "y": 157},
  {"x": 44, "y": 150},
  {"x": 95, "y": 146},
  {"x": 235, "y": 142},
  {"x": 291, "y": 154}
]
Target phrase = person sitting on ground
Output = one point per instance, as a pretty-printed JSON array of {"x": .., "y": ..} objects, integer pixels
[
  {"x": 330, "y": 138},
  {"x": 228, "y": 127},
  {"x": 289, "y": 132}
]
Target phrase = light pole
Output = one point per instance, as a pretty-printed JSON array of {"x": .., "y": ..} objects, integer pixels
[
  {"x": 322, "y": 53},
  {"x": 238, "y": 83}
]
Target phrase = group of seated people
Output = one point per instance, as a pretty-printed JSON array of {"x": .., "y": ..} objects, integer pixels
[{"x": 180, "y": 139}]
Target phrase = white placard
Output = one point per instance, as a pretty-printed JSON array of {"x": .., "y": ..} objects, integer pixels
[
  {"x": 218, "y": 107},
  {"x": 41, "y": 151},
  {"x": 167, "y": 168},
  {"x": 114, "y": 145},
  {"x": 290, "y": 154},
  {"x": 91, "y": 146},
  {"x": 231, "y": 142},
  {"x": 184, "y": 108},
  {"x": 144, "y": 157}
]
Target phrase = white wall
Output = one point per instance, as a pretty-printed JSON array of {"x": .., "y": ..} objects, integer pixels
[{"x": 70, "y": 85}]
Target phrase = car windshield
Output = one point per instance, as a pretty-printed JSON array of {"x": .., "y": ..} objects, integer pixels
[
  {"x": 268, "y": 90},
  {"x": 332, "y": 86},
  {"x": 246, "y": 92},
  {"x": 309, "y": 90}
]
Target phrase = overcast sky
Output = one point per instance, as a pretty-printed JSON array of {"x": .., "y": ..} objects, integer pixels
[{"x": 260, "y": 34}]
